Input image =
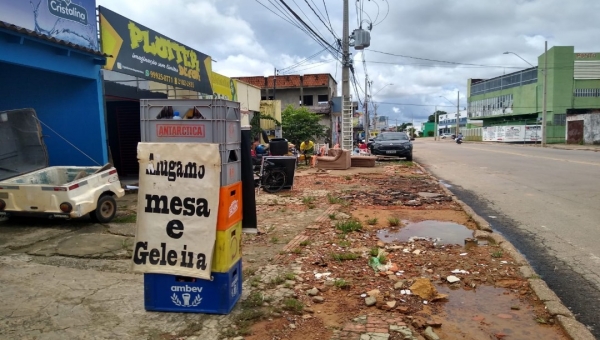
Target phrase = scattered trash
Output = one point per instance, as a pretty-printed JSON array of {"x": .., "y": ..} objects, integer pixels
[
  {"x": 459, "y": 271},
  {"x": 452, "y": 279},
  {"x": 464, "y": 254},
  {"x": 318, "y": 276},
  {"x": 424, "y": 302},
  {"x": 363, "y": 295}
]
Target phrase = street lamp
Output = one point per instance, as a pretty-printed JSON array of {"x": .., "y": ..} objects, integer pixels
[
  {"x": 519, "y": 57},
  {"x": 367, "y": 120}
]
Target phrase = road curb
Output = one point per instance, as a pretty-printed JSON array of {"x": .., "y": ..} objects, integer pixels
[{"x": 573, "y": 328}]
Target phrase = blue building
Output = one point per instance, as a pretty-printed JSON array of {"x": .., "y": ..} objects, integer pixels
[{"x": 58, "y": 77}]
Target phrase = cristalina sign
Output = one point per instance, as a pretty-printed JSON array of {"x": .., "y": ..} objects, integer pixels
[{"x": 178, "y": 201}]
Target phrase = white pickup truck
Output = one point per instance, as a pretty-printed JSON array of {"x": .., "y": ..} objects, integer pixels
[{"x": 28, "y": 187}]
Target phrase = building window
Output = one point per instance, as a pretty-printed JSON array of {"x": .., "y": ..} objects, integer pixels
[
  {"x": 308, "y": 100},
  {"x": 587, "y": 93},
  {"x": 560, "y": 119},
  {"x": 263, "y": 98},
  {"x": 322, "y": 98}
]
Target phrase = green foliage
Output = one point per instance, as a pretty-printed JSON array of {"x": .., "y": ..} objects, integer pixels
[
  {"x": 342, "y": 284},
  {"x": 299, "y": 124},
  {"x": 372, "y": 221},
  {"x": 344, "y": 256},
  {"x": 293, "y": 305},
  {"x": 436, "y": 113},
  {"x": 348, "y": 226},
  {"x": 394, "y": 221}
]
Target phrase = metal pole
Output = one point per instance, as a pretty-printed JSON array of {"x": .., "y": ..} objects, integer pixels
[
  {"x": 366, "y": 121},
  {"x": 345, "y": 56},
  {"x": 545, "y": 93},
  {"x": 274, "y": 81},
  {"x": 457, "y": 113},
  {"x": 435, "y": 119}
]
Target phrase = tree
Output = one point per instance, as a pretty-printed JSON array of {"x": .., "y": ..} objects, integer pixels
[
  {"x": 436, "y": 113},
  {"x": 403, "y": 126},
  {"x": 299, "y": 124}
]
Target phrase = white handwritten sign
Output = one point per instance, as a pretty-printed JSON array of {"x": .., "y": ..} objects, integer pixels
[{"x": 178, "y": 201}]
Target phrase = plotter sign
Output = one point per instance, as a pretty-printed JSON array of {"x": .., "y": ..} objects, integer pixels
[{"x": 178, "y": 201}]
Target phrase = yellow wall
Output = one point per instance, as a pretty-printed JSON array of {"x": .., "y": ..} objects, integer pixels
[{"x": 270, "y": 108}]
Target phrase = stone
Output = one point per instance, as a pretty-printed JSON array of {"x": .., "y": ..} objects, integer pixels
[
  {"x": 417, "y": 252},
  {"x": 370, "y": 301},
  {"x": 342, "y": 216},
  {"x": 429, "y": 334},
  {"x": 313, "y": 292},
  {"x": 292, "y": 326},
  {"x": 318, "y": 299},
  {"x": 391, "y": 304},
  {"x": 380, "y": 244},
  {"x": 429, "y": 195},
  {"x": 504, "y": 316},
  {"x": 373, "y": 292},
  {"x": 394, "y": 267},
  {"x": 402, "y": 309},
  {"x": 423, "y": 288},
  {"x": 452, "y": 279},
  {"x": 306, "y": 316},
  {"x": 435, "y": 321},
  {"x": 239, "y": 338},
  {"x": 290, "y": 282},
  {"x": 399, "y": 284},
  {"x": 309, "y": 310}
]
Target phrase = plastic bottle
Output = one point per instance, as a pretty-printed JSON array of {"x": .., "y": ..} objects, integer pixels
[{"x": 176, "y": 115}]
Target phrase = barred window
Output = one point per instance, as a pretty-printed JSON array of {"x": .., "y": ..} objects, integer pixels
[
  {"x": 586, "y": 93},
  {"x": 560, "y": 119}
]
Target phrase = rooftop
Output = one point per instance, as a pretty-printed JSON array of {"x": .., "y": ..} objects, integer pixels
[{"x": 289, "y": 81}]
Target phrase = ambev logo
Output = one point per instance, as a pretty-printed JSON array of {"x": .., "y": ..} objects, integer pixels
[{"x": 67, "y": 10}]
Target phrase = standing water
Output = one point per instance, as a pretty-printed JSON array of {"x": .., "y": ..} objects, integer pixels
[{"x": 444, "y": 232}]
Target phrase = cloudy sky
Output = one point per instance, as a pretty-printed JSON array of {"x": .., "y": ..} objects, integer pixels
[{"x": 417, "y": 38}]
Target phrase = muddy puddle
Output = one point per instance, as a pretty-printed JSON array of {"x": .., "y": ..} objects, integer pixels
[
  {"x": 490, "y": 313},
  {"x": 444, "y": 232}
]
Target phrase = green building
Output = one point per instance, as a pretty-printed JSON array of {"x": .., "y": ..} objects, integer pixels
[
  {"x": 428, "y": 129},
  {"x": 572, "y": 99}
]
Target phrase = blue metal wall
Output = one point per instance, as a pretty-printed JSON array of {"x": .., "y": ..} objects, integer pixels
[{"x": 65, "y": 89}]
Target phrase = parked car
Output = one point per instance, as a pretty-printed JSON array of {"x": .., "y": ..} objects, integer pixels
[
  {"x": 447, "y": 135},
  {"x": 29, "y": 187},
  {"x": 392, "y": 144}
]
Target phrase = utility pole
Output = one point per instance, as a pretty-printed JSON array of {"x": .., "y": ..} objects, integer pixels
[
  {"x": 366, "y": 121},
  {"x": 274, "y": 81},
  {"x": 545, "y": 92},
  {"x": 457, "y": 113},
  {"x": 375, "y": 117},
  {"x": 347, "y": 106},
  {"x": 345, "y": 56}
]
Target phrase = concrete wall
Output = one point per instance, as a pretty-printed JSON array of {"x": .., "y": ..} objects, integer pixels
[{"x": 591, "y": 126}]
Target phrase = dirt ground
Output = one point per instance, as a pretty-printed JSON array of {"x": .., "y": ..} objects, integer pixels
[
  {"x": 335, "y": 258},
  {"x": 490, "y": 300}
]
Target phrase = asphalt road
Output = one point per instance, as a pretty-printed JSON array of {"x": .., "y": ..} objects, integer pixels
[{"x": 545, "y": 201}]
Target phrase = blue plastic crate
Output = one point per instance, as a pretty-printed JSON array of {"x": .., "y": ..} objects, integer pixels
[{"x": 172, "y": 293}]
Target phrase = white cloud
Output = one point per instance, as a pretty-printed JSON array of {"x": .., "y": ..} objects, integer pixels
[{"x": 248, "y": 39}]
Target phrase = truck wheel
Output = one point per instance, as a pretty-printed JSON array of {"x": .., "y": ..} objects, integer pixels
[{"x": 105, "y": 210}]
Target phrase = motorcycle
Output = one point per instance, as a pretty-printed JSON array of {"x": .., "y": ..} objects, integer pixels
[{"x": 459, "y": 140}]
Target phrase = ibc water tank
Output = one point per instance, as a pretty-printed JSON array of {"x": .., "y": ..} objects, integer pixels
[{"x": 278, "y": 147}]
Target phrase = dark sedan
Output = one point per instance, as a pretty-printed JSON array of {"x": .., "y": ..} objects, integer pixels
[{"x": 392, "y": 144}]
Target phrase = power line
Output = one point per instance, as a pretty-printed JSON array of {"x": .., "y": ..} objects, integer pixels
[
  {"x": 330, "y": 30},
  {"x": 300, "y": 8},
  {"x": 302, "y": 61},
  {"x": 317, "y": 36},
  {"x": 327, "y": 13}
]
